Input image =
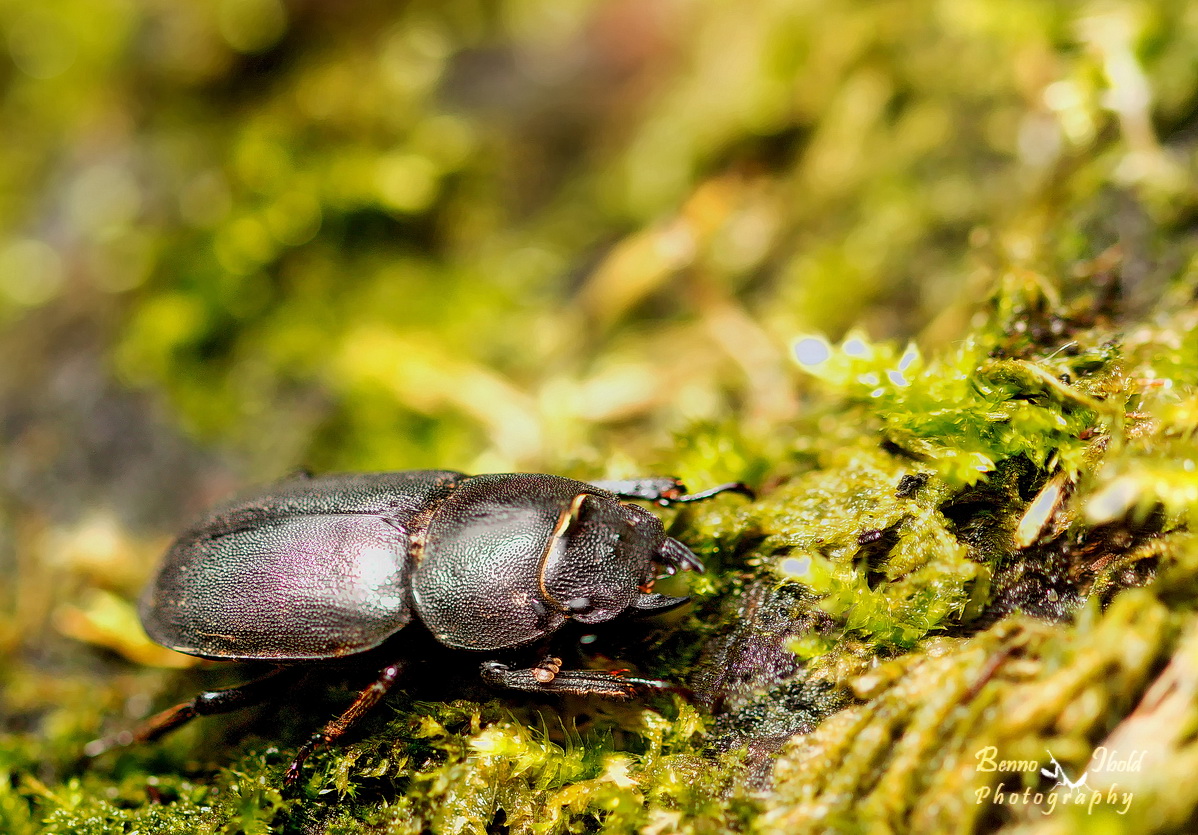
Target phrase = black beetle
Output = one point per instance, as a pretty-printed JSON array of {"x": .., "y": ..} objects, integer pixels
[{"x": 313, "y": 569}]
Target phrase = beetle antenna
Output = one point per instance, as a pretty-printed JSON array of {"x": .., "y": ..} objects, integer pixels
[{"x": 730, "y": 487}]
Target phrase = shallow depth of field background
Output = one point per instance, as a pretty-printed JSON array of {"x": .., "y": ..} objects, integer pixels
[{"x": 243, "y": 236}]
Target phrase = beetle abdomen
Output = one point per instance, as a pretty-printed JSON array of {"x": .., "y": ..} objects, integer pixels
[{"x": 294, "y": 588}]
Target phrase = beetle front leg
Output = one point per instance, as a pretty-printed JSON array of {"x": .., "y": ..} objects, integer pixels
[
  {"x": 549, "y": 677},
  {"x": 666, "y": 491},
  {"x": 337, "y": 728},
  {"x": 205, "y": 704}
]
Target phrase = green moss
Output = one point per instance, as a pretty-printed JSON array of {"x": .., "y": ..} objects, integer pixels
[{"x": 915, "y": 757}]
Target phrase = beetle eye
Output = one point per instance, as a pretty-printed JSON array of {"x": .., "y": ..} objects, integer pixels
[{"x": 578, "y": 605}]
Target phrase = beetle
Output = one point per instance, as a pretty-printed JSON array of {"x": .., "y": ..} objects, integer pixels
[{"x": 313, "y": 569}]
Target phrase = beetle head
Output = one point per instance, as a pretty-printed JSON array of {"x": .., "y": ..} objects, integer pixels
[{"x": 602, "y": 556}]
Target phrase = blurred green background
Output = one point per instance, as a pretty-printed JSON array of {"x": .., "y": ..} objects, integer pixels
[
  {"x": 245, "y": 236},
  {"x": 520, "y": 235}
]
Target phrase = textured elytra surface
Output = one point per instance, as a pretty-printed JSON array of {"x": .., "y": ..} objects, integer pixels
[
  {"x": 309, "y": 587},
  {"x": 310, "y": 568}
]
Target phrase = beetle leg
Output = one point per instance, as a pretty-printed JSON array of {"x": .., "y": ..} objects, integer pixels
[
  {"x": 545, "y": 679},
  {"x": 205, "y": 704},
  {"x": 337, "y": 728},
  {"x": 666, "y": 491},
  {"x": 547, "y": 670}
]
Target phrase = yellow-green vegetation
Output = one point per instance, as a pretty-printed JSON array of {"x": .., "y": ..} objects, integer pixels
[{"x": 924, "y": 273}]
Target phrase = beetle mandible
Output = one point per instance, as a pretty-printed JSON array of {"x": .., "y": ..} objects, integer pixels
[{"x": 319, "y": 568}]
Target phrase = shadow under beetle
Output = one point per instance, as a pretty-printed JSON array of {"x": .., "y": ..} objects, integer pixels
[{"x": 314, "y": 569}]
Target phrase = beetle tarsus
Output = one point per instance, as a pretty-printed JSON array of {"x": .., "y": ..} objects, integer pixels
[
  {"x": 547, "y": 670},
  {"x": 605, "y": 684},
  {"x": 334, "y": 730}
]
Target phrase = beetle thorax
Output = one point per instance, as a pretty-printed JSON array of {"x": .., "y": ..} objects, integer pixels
[{"x": 510, "y": 558}]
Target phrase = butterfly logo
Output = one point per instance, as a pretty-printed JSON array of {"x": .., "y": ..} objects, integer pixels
[{"x": 1058, "y": 774}]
